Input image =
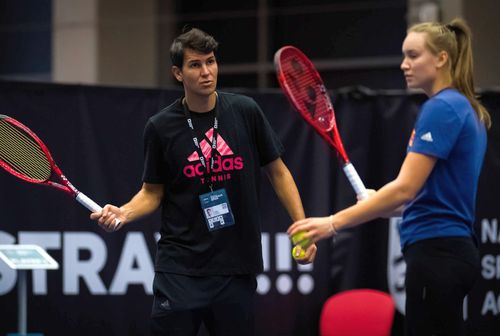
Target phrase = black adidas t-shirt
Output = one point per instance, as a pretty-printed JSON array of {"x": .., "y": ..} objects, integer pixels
[{"x": 245, "y": 143}]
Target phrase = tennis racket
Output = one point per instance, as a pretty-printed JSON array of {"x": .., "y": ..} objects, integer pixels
[
  {"x": 25, "y": 156},
  {"x": 304, "y": 87}
]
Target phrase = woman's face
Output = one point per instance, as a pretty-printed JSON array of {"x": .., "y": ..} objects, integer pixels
[{"x": 420, "y": 66}]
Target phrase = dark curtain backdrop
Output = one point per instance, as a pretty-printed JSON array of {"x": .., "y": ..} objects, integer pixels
[{"x": 95, "y": 136}]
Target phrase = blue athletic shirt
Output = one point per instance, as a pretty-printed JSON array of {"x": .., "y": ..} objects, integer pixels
[{"x": 448, "y": 129}]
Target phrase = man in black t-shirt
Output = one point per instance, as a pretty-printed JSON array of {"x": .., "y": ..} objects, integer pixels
[{"x": 203, "y": 158}]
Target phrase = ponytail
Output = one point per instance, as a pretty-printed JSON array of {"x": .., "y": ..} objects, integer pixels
[
  {"x": 455, "y": 39},
  {"x": 462, "y": 67}
]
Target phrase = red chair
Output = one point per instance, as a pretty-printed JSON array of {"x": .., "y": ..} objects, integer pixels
[{"x": 357, "y": 312}]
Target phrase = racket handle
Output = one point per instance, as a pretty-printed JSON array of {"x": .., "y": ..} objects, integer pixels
[
  {"x": 355, "y": 180},
  {"x": 92, "y": 206},
  {"x": 88, "y": 203}
]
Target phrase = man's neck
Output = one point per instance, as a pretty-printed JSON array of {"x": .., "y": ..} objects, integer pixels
[{"x": 201, "y": 104}]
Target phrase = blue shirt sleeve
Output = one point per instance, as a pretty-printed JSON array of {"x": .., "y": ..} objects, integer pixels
[{"x": 436, "y": 130}]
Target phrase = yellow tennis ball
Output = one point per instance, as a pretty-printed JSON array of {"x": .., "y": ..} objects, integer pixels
[
  {"x": 299, "y": 238},
  {"x": 302, "y": 253}
]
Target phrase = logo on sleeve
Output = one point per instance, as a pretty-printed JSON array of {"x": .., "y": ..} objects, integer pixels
[
  {"x": 224, "y": 163},
  {"x": 412, "y": 137},
  {"x": 427, "y": 137}
]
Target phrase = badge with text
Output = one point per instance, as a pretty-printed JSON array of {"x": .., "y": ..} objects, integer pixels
[{"x": 216, "y": 210}]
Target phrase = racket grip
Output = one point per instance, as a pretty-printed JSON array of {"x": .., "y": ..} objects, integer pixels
[
  {"x": 88, "y": 203},
  {"x": 91, "y": 205},
  {"x": 355, "y": 180}
]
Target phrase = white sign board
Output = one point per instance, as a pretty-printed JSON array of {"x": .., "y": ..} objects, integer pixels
[{"x": 23, "y": 257}]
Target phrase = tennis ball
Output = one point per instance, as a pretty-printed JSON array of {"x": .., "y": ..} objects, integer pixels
[
  {"x": 299, "y": 238},
  {"x": 301, "y": 255}
]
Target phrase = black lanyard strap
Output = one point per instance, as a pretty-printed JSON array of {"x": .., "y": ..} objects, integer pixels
[{"x": 207, "y": 172}]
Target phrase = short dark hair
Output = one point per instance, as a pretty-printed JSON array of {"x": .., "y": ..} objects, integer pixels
[{"x": 195, "y": 39}]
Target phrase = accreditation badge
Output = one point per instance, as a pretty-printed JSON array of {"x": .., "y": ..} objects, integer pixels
[{"x": 216, "y": 210}]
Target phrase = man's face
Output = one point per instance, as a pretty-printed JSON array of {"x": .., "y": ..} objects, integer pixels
[{"x": 198, "y": 74}]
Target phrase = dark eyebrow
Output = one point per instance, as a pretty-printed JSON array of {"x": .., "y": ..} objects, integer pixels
[
  {"x": 199, "y": 60},
  {"x": 193, "y": 61}
]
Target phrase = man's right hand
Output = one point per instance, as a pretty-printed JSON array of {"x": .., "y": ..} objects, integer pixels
[{"x": 111, "y": 218}]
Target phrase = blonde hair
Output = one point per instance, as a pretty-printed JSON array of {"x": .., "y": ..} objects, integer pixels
[{"x": 455, "y": 39}]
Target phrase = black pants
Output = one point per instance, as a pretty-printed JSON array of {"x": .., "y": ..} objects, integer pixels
[
  {"x": 225, "y": 304},
  {"x": 439, "y": 274}
]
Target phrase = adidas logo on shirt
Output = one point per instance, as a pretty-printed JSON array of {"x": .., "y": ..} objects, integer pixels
[
  {"x": 427, "y": 137},
  {"x": 224, "y": 164},
  {"x": 206, "y": 147}
]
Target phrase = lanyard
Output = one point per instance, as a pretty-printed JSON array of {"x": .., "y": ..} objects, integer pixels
[{"x": 208, "y": 172}]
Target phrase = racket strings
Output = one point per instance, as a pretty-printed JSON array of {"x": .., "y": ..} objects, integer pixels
[
  {"x": 309, "y": 90},
  {"x": 22, "y": 154}
]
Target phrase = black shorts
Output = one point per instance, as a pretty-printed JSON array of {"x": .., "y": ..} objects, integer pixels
[
  {"x": 225, "y": 304},
  {"x": 439, "y": 274}
]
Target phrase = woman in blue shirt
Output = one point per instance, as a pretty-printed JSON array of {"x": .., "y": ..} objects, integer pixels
[{"x": 435, "y": 190}]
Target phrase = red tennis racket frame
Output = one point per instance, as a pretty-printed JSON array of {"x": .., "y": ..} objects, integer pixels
[
  {"x": 290, "y": 75},
  {"x": 65, "y": 185},
  {"x": 55, "y": 172}
]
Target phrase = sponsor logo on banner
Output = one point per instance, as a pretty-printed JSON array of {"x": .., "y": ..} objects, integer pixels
[
  {"x": 489, "y": 281},
  {"x": 396, "y": 266},
  {"x": 135, "y": 265},
  {"x": 279, "y": 268}
]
